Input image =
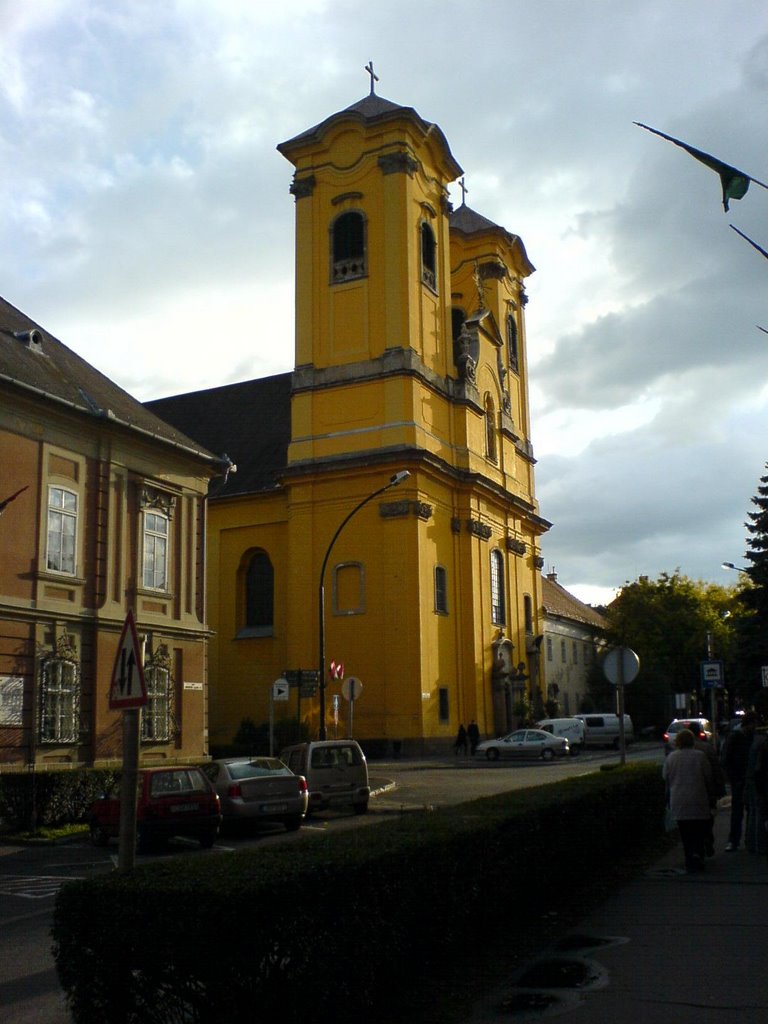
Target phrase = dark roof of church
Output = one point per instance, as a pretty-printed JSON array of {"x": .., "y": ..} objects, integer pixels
[
  {"x": 34, "y": 361},
  {"x": 250, "y": 421},
  {"x": 558, "y": 602},
  {"x": 469, "y": 222},
  {"x": 370, "y": 109}
]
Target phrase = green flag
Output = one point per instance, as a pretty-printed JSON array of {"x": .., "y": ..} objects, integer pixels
[{"x": 735, "y": 183}]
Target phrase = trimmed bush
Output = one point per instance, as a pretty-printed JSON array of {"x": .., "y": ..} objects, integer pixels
[
  {"x": 29, "y": 799},
  {"x": 319, "y": 929}
]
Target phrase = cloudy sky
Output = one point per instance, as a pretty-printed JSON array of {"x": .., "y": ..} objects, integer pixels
[{"x": 145, "y": 220}]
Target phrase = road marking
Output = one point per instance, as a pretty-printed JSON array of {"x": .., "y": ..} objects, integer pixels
[{"x": 32, "y": 887}]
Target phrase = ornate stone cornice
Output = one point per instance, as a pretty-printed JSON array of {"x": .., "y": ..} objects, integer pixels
[
  {"x": 301, "y": 188},
  {"x": 401, "y": 509},
  {"x": 398, "y": 163},
  {"x": 478, "y": 529}
]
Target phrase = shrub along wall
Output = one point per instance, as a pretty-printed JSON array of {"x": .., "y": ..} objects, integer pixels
[
  {"x": 51, "y": 797},
  {"x": 318, "y": 930}
]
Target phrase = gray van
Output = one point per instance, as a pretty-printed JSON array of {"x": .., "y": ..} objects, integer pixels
[
  {"x": 336, "y": 772},
  {"x": 603, "y": 730}
]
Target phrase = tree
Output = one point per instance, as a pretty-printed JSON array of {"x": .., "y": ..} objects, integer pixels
[
  {"x": 672, "y": 623},
  {"x": 752, "y": 626}
]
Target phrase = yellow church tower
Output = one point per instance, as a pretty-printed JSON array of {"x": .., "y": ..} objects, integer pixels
[
  {"x": 410, "y": 356},
  {"x": 410, "y": 369}
]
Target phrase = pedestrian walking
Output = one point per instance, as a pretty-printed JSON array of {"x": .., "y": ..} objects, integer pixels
[
  {"x": 755, "y": 839},
  {"x": 735, "y": 760},
  {"x": 461, "y": 741},
  {"x": 690, "y": 795},
  {"x": 473, "y": 735},
  {"x": 700, "y": 742}
]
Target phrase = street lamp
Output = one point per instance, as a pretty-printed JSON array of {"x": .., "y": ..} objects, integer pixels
[
  {"x": 730, "y": 565},
  {"x": 393, "y": 482}
]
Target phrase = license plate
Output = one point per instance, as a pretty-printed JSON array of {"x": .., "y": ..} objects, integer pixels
[
  {"x": 273, "y": 808},
  {"x": 181, "y": 808}
]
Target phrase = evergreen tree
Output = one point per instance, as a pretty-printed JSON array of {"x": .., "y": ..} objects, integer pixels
[{"x": 752, "y": 626}]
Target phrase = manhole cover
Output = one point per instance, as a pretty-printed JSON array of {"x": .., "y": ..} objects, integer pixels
[{"x": 563, "y": 972}]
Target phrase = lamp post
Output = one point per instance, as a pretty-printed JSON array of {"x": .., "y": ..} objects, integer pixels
[
  {"x": 393, "y": 482},
  {"x": 736, "y": 568}
]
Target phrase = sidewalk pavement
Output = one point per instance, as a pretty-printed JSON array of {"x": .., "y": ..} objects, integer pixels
[{"x": 680, "y": 949}]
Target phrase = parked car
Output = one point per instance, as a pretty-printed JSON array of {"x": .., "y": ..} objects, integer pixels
[
  {"x": 178, "y": 801},
  {"x": 573, "y": 729},
  {"x": 259, "y": 789},
  {"x": 336, "y": 772},
  {"x": 525, "y": 743},
  {"x": 703, "y": 725},
  {"x": 603, "y": 730}
]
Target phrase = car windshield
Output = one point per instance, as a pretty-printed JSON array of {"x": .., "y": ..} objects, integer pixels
[{"x": 258, "y": 767}]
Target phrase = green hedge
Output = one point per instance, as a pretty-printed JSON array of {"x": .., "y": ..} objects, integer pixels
[
  {"x": 53, "y": 797},
  {"x": 318, "y": 929}
]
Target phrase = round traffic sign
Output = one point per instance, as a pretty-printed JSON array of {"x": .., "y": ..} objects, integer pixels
[
  {"x": 351, "y": 688},
  {"x": 629, "y": 663}
]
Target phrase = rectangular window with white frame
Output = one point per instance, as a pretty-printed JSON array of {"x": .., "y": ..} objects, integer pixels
[
  {"x": 155, "y": 547},
  {"x": 59, "y": 701},
  {"x": 62, "y": 530}
]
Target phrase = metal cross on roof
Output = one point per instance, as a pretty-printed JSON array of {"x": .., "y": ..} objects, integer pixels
[
  {"x": 464, "y": 191},
  {"x": 374, "y": 76}
]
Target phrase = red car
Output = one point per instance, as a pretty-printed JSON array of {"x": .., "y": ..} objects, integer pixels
[{"x": 178, "y": 801}]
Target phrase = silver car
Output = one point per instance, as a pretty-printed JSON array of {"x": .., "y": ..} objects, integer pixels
[
  {"x": 525, "y": 743},
  {"x": 259, "y": 789}
]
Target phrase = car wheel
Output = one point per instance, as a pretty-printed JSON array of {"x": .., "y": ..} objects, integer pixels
[
  {"x": 98, "y": 836},
  {"x": 207, "y": 839},
  {"x": 575, "y": 749},
  {"x": 292, "y": 824},
  {"x": 492, "y": 754},
  {"x": 547, "y": 754},
  {"x": 360, "y": 808}
]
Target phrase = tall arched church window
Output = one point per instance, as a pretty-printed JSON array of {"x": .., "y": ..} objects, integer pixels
[
  {"x": 259, "y": 595},
  {"x": 490, "y": 430},
  {"x": 348, "y": 257},
  {"x": 428, "y": 256},
  {"x": 498, "y": 596},
  {"x": 512, "y": 343}
]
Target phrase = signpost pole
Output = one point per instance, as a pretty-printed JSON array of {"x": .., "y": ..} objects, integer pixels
[
  {"x": 126, "y": 856},
  {"x": 620, "y": 699}
]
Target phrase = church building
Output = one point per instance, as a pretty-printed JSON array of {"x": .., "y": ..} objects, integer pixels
[{"x": 382, "y": 524}]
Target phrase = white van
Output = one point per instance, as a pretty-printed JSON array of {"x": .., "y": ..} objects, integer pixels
[
  {"x": 573, "y": 729},
  {"x": 336, "y": 772},
  {"x": 603, "y": 730}
]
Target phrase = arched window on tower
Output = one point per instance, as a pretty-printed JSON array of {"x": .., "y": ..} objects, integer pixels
[
  {"x": 348, "y": 259},
  {"x": 259, "y": 596},
  {"x": 428, "y": 256},
  {"x": 498, "y": 595},
  {"x": 512, "y": 345},
  {"x": 491, "y": 451}
]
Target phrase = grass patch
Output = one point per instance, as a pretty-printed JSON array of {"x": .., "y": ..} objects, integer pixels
[{"x": 47, "y": 834}]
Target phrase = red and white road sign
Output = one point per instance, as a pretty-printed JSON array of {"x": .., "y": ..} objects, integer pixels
[{"x": 128, "y": 689}]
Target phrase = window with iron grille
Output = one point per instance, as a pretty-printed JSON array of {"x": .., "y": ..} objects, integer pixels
[
  {"x": 59, "y": 701},
  {"x": 157, "y": 713}
]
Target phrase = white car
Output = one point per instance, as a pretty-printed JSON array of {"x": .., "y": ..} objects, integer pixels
[{"x": 525, "y": 743}]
